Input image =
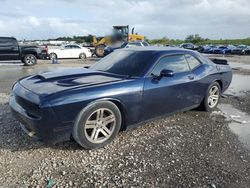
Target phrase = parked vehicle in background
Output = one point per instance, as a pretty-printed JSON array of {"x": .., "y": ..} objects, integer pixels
[
  {"x": 11, "y": 51},
  {"x": 120, "y": 34},
  {"x": 70, "y": 51},
  {"x": 247, "y": 51},
  {"x": 208, "y": 49},
  {"x": 239, "y": 50},
  {"x": 189, "y": 46},
  {"x": 221, "y": 49},
  {"x": 125, "y": 88},
  {"x": 109, "y": 49},
  {"x": 171, "y": 45}
]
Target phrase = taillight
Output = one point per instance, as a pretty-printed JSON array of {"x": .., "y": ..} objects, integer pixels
[{"x": 46, "y": 49}]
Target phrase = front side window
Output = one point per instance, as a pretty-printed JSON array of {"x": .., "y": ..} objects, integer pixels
[
  {"x": 67, "y": 47},
  {"x": 75, "y": 47},
  {"x": 5, "y": 42},
  {"x": 175, "y": 63},
  {"x": 192, "y": 61}
]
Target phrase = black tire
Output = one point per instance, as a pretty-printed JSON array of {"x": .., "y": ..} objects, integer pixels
[
  {"x": 52, "y": 56},
  {"x": 82, "y": 56},
  {"x": 79, "y": 131},
  {"x": 99, "y": 50},
  {"x": 29, "y": 60},
  {"x": 205, "y": 103}
]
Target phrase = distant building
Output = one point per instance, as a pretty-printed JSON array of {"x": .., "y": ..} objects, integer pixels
[{"x": 46, "y": 42}]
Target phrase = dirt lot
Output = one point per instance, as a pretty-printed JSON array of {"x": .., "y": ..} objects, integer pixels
[{"x": 190, "y": 149}]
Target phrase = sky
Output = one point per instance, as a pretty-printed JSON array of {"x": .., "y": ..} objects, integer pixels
[{"x": 43, "y": 19}]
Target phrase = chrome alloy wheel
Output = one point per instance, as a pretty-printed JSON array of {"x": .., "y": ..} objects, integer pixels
[
  {"x": 100, "y": 125},
  {"x": 52, "y": 56},
  {"x": 30, "y": 60},
  {"x": 213, "y": 97}
]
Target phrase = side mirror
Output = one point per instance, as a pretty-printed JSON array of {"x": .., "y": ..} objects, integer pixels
[{"x": 166, "y": 73}]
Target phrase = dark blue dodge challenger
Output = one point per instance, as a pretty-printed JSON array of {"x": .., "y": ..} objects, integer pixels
[{"x": 123, "y": 89}]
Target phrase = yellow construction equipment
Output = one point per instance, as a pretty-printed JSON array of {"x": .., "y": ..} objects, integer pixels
[{"x": 120, "y": 34}]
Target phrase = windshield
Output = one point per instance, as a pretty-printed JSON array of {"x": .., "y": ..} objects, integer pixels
[
  {"x": 242, "y": 46},
  {"x": 126, "y": 62}
]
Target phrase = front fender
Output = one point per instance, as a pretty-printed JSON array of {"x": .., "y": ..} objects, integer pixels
[{"x": 68, "y": 104}]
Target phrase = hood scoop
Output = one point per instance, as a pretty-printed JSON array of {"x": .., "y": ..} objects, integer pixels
[
  {"x": 62, "y": 73},
  {"x": 87, "y": 80},
  {"x": 53, "y": 82}
]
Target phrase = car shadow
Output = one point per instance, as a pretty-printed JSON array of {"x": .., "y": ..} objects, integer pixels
[{"x": 13, "y": 138}]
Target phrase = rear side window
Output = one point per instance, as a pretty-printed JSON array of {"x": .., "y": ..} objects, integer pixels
[
  {"x": 192, "y": 61},
  {"x": 175, "y": 63},
  {"x": 7, "y": 42}
]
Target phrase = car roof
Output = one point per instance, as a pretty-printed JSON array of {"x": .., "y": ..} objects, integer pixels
[
  {"x": 162, "y": 50},
  {"x": 71, "y": 45},
  {"x": 8, "y": 38},
  {"x": 159, "y": 49}
]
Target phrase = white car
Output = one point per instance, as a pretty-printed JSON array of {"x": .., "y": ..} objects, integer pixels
[
  {"x": 70, "y": 51},
  {"x": 136, "y": 43}
]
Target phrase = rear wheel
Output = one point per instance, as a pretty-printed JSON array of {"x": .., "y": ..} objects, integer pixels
[
  {"x": 52, "y": 56},
  {"x": 212, "y": 97},
  {"x": 29, "y": 60},
  {"x": 97, "y": 125},
  {"x": 99, "y": 50}
]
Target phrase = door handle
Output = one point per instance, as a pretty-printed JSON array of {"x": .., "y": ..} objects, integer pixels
[{"x": 190, "y": 77}]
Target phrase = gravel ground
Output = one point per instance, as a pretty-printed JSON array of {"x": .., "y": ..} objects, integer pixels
[{"x": 190, "y": 149}]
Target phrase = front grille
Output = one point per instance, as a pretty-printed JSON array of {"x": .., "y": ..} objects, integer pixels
[{"x": 31, "y": 108}]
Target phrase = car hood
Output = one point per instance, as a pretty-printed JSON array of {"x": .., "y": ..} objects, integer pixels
[
  {"x": 110, "y": 48},
  {"x": 48, "y": 83}
]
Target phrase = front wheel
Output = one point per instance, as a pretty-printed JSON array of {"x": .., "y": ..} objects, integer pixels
[
  {"x": 212, "y": 97},
  {"x": 29, "y": 60},
  {"x": 82, "y": 56},
  {"x": 97, "y": 125},
  {"x": 99, "y": 50}
]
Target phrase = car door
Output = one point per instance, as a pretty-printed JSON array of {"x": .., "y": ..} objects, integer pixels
[
  {"x": 168, "y": 94},
  {"x": 76, "y": 50},
  {"x": 9, "y": 49},
  {"x": 67, "y": 52},
  {"x": 199, "y": 72}
]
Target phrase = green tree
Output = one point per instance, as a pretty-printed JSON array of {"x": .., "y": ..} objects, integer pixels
[{"x": 194, "y": 39}]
